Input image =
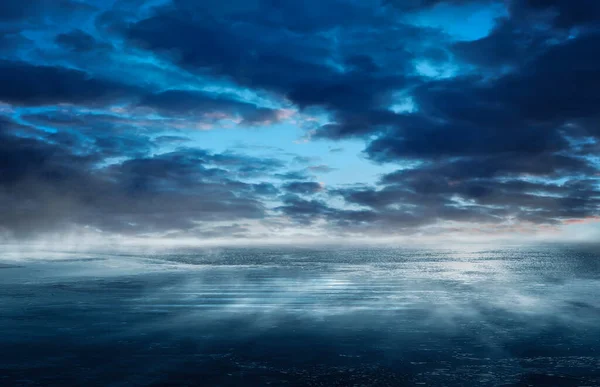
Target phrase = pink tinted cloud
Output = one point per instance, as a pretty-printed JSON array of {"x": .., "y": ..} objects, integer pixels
[{"x": 587, "y": 219}]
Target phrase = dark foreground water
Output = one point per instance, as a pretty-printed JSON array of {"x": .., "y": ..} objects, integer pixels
[{"x": 299, "y": 316}]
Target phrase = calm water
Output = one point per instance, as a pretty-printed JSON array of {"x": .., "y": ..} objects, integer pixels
[{"x": 299, "y": 316}]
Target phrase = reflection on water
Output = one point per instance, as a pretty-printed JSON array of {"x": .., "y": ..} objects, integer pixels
[{"x": 510, "y": 316}]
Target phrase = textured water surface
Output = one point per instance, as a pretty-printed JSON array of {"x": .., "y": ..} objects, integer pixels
[{"x": 302, "y": 316}]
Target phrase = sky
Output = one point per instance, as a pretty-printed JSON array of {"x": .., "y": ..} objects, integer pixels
[{"x": 260, "y": 120}]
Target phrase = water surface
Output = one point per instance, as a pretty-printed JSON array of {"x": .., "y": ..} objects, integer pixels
[{"x": 302, "y": 316}]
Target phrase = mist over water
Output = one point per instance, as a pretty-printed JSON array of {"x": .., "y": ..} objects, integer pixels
[{"x": 302, "y": 316}]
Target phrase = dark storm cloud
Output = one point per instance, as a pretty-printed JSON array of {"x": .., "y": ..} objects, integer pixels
[
  {"x": 303, "y": 187},
  {"x": 412, "y": 5},
  {"x": 200, "y": 104},
  {"x": 293, "y": 175},
  {"x": 254, "y": 49},
  {"x": 485, "y": 201},
  {"x": 168, "y": 139},
  {"x": 38, "y": 14},
  {"x": 524, "y": 112},
  {"x": 265, "y": 189},
  {"x": 426, "y": 138},
  {"x": 508, "y": 44},
  {"x": 79, "y": 41},
  {"x": 504, "y": 127},
  {"x": 24, "y": 83},
  {"x": 442, "y": 188},
  {"x": 13, "y": 10},
  {"x": 500, "y": 166},
  {"x": 104, "y": 134},
  {"x": 10, "y": 41},
  {"x": 304, "y": 211},
  {"x": 379, "y": 219},
  {"x": 223, "y": 50},
  {"x": 27, "y": 84},
  {"x": 562, "y": 13},
  {"x": 322, "y": 168},
  {"x": 52, "y": 181}
]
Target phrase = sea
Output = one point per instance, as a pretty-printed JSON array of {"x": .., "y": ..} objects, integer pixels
[{"x": 507, "y": 315}]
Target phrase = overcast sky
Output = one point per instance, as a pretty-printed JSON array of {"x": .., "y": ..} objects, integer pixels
[{"x": 267, "y": 119}]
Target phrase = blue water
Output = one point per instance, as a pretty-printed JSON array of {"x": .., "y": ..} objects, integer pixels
[{"x": 302, "y": 316}]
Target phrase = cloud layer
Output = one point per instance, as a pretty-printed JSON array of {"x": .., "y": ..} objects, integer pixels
[{"x": 494, "y": 127}]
